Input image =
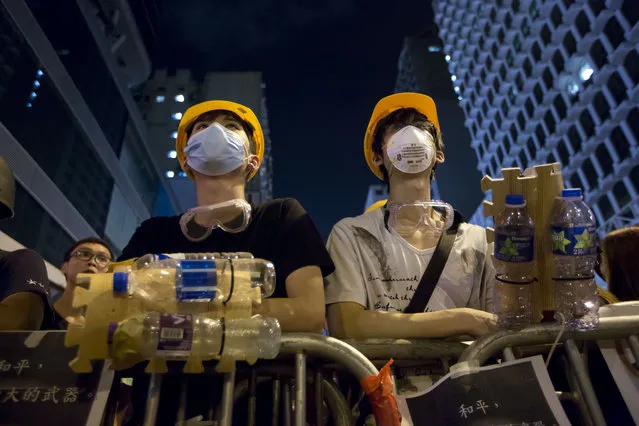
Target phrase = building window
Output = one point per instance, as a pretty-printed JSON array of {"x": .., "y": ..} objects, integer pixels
[
  {"x": 564, "y": 155},
  {"x": 525, "y": 28},
  {"x": 614, "y": 32},
  {"x": 583, "y": 24},
  {"x": 598, "y": 54},
  {"x": 489, "y": 62},
  {"x": 555, "y": 16},
  {"x": 501, "y": 35},
  {"x": 515, "y": 5},
  {"x": 513, "y": 133},
  {"x": 533, "y": 9},
  {"x": 604, "y": 159},
  {"x": 539, "y": 94},
  {"x": 560, "y": 106},
  {"x": 548, "y": 78},
  {"x": 504, "y": 108},
  {"x": 541, "y": 135},
  {"x": 587, "y": 124},
  {"x": 491, "y": 97},
  {"x": 484, "y": 108},
  {"x": 496, "y": 85},
  {"x": 621, "y": 194},
  {"x": 597, "y": 6},
  {"x": 558, "y": 61},
  {"x": 527, "y": 67},
  {"x": 550, "y": 159},
  {"x": 522, "y": 158},
  {"x": 570, "y": 44},
  {"x": 630, "y": 11},
  {"x": 633, "y": 122},
  {"x": 532, "y": 149},
  {"x": 500, "y": 154},
  {"x": 493, "y": 164},
  {"x": 508, "y": 21},
  {"x": 617, "y": 88},
  {"x": 545, "y": 35},
  {"x": 507, "y": 144},
  {"x": 620, "y": 143},
  {"x": 519, "y": 81},
  {"x": 605, "y": 207},
  {"x": 517, "y": 43},
  {"x": 634, "y": 178},
  {"x": 590, "y": 173},
  {"x": 574, "y": 138},
  {"x": 486, "y": 141},
  {"x": 494, "y": 50},
  {"x": 491, "y": 130},
  {"x": 631, "y": 63},
  {"x": 601, "y": 107},
  {"x": 502, "y": 72},
  {"x": 510, "y": 58},
  {"x": 530, "y": 109},
  {"x": 575, "y": 181},
  {"x": 482, "y": 75},
  {"x": 480, "y": 148},
  {"x": 550, "y": 122},
  {"x": 498, "y": 119},
  {"x": 521, "y": 120},
  {"x": 536, "y": 52}
]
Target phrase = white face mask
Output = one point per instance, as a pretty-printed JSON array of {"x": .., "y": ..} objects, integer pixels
[
  {"x": 215, "y": 151},
  {"x": 411, "y": 150}
]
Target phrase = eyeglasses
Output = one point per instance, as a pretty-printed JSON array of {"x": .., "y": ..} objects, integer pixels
[{"x": 88, "y": 255}]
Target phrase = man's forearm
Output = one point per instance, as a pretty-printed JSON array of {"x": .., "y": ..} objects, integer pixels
[
  {"x": 375, "y": 324},
  {"x": 294, "y": 314}
]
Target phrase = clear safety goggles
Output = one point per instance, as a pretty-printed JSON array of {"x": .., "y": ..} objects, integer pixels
[
  {"x": 230, "y": 216},
  {"x": 407, "y": 218}
]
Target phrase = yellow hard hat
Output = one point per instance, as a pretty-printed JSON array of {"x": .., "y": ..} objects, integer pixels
[
  {"x": 241, "y": 111},
  {"x": 422, "y": 103},
  {"x": 376, "y": 205}
]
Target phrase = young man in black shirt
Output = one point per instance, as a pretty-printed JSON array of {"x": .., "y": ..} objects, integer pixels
[{"x": 220, "y": 146}]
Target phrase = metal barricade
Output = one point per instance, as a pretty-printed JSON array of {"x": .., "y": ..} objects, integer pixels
[
  {"x": 300, "y": 346},
  {"x": 582, "y": 390}
]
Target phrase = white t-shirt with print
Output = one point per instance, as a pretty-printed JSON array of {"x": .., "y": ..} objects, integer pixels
[{"x": 380, "y": 270}]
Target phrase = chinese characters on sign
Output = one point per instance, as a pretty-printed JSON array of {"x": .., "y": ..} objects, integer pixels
[{"x": 36, "y": 394}]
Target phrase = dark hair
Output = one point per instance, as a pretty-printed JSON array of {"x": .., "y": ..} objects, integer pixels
[
  {"x": 398, "y": 119},
  {"x": 212, "y": 115},
  {"x": 90, "y": 240},
  {"x": 621, "y": 250}
]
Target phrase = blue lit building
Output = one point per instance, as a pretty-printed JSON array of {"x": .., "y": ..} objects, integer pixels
[{"x": 545, "y": 81}]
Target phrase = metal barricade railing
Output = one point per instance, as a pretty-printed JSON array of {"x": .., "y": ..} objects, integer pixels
[
  {"x": 621, "y": 327},
  {"x": 300, "y": 345}
]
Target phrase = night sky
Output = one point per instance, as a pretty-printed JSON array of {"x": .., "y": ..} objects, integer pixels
[{"x": 325, "y": 65}]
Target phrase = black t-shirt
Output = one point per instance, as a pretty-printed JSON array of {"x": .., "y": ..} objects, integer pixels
[
  {"x": 280, "y": 231},
  {"x": 24, "y": 271}
]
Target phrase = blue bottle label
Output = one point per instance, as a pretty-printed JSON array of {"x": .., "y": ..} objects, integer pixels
[
  {"x": 574, "y": 241},
  {"x": 176, "y": 335},
  {"x": 514, "y": 248},
  {"x": 197, "y": 281}
]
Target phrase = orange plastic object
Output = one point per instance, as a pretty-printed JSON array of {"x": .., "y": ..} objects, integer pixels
[{"x": 380, "y": 394}]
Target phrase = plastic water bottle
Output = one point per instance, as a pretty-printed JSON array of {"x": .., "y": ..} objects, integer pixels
[
  {"x": 162, "y": 260},
  {"x": 514, "y": 262},
  {"x": 181, "y": 336},
  {"x": 211, "y": 280},
  {"x": 573, "y": 234}
]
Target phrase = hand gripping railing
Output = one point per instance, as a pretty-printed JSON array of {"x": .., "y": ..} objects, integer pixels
[
  {"x": 609, "y": 328},
  {"x": 300, "y": 345}
]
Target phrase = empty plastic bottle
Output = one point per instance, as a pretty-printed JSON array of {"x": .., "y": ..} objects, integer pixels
[
  {"x": 182, "y": 335},
  {"x": 573, "y": 235},
  {"x": 213, "y": 280},
  {"x": 514, "y": 262}
]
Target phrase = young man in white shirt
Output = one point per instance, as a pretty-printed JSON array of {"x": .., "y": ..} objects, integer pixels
[{"x": 378, "y": 268}]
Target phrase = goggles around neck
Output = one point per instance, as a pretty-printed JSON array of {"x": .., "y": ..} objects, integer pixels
[
  {"x": 407, "y": 217},
  {"x": 230, "y": 216}
]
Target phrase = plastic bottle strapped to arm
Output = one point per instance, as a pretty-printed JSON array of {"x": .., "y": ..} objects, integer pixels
[
  {"x": 195, "y": 280},
  {"x": 406, "y": 218},
  {"x": 231, "y": 216}
]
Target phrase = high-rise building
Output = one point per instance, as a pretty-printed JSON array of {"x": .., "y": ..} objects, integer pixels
[
  {"x": 166, "y": 96},
  {"x": 545, "y": 81},
  {"x": 69, "y": 126},
  {"x": 422, "y": 69}
]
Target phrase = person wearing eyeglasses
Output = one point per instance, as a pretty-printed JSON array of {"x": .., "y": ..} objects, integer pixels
[{"x": 88, "y": 256}]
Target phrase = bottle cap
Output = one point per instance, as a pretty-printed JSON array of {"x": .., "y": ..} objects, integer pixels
[
  {"x": 515, "y": 200},
  {"x": 570, "y": 193},
  {"x": 120, "y": 282}
]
